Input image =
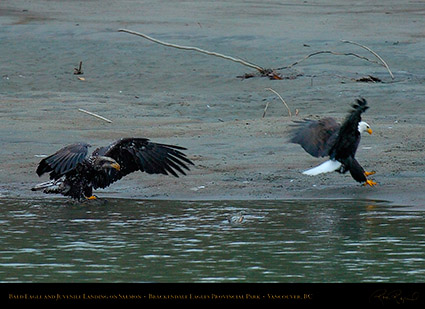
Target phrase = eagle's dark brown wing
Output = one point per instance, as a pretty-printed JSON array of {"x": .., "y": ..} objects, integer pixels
[
  {"x": 140, "y": 154},
  {"x": 63, "y": 161},
  {"x": 316, "y": 137}
]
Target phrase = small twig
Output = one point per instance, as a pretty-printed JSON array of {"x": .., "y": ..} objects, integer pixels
[
  {"x": 265, "y": 108},
  {"x": 95, "y": 115},
  {"x": 243, "y": 62},
  {"x": 375, "y": 54},
  {"x": 78, "y": 71},
  {"x": 283, "y": 101},
  {"x": 326, "y": 52}
]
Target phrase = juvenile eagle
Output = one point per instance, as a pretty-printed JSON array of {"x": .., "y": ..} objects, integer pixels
[
  {"x": 75, "y": 174},
  {"x": 326, "y": 137}
]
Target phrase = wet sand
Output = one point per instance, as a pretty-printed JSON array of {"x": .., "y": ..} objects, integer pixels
[{"x": 197, "y": 101}]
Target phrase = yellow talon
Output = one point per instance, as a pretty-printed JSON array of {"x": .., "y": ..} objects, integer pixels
[
  {"x": 370, "y": 183},
  {"x": 91, "y": 197},
  {"x": 369, "y": 173}
]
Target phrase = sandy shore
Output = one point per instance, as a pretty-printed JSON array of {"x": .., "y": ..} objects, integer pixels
[{"x": 197, "y": 101}]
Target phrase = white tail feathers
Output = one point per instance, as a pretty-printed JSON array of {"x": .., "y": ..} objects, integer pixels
[
  {"x": 325, "y": 167},
  {"x": 43, "y": 185},
  {"x": 53, "y": 186}
]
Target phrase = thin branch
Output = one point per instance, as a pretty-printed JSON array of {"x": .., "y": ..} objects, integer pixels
[
  {"x": 375, "y": 54},
  {"x": 283, "y": 101},
  {"x": 243, "y": 62},
  {"x": 79, "y": 70},
  {"x": 326, "y": 52},
  {"x": 265, "y": 108},
  {"x": 95, "y": 115}
]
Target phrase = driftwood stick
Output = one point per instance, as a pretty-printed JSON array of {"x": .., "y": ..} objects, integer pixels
[
  {"x": 203, "y": 51},
  {"x": 265, "y": 108},
  {"x": 283, "y": 101},
  {"x": 95, "y": 115},
  {"x": 326, "y": 52},
  {"x": 375, "y": 54},
  {"x": 79, "y": 70}
]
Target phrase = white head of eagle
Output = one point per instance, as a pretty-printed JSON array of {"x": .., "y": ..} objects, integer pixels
[
  {"x": 339, "y": 142},
  {"x": 364, "y": 127}
]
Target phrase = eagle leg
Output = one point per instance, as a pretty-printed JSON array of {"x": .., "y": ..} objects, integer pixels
[
  {"x": 369, "y": 173},
  {"x": 370, "y": 183},
  {"x": 91, "y": 197}
]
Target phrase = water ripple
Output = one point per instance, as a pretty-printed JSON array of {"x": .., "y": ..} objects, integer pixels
[{"x": 214, "y": 241}]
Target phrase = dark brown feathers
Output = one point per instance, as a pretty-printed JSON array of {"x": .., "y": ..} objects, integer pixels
[
  {"x": 75, "y": 174},
  {"x": 316, "y": 137},
  {"x": 139, "y": 154},
  {"x": 63, "y": 161},
  {"x": 348, "y": 138},
  {"x": 326, "y": 137}
]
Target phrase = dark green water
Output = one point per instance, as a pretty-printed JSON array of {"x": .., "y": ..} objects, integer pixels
[{"x": 179, "y": 241}]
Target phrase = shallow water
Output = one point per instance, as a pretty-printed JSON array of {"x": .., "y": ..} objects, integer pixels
[{"x": 118, "y": 240}]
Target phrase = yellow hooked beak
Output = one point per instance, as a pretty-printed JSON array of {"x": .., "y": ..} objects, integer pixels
[
  {"x": 369, "y": 130},
  {"x": 116, "y": 166}
]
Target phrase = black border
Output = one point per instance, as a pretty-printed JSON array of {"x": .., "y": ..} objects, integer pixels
[{"x": 379, "y": 294}]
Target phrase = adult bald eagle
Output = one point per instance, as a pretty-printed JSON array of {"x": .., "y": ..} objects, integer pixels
[
  {"x": 326, "y": 137},
  {"x": 75, "y": 174}
]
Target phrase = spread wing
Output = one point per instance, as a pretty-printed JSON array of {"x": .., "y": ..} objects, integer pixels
[
  {"x": 63, "y": 161},
  {"x": 316, "y": 137},
  {"x": 139, "y": 154}
]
